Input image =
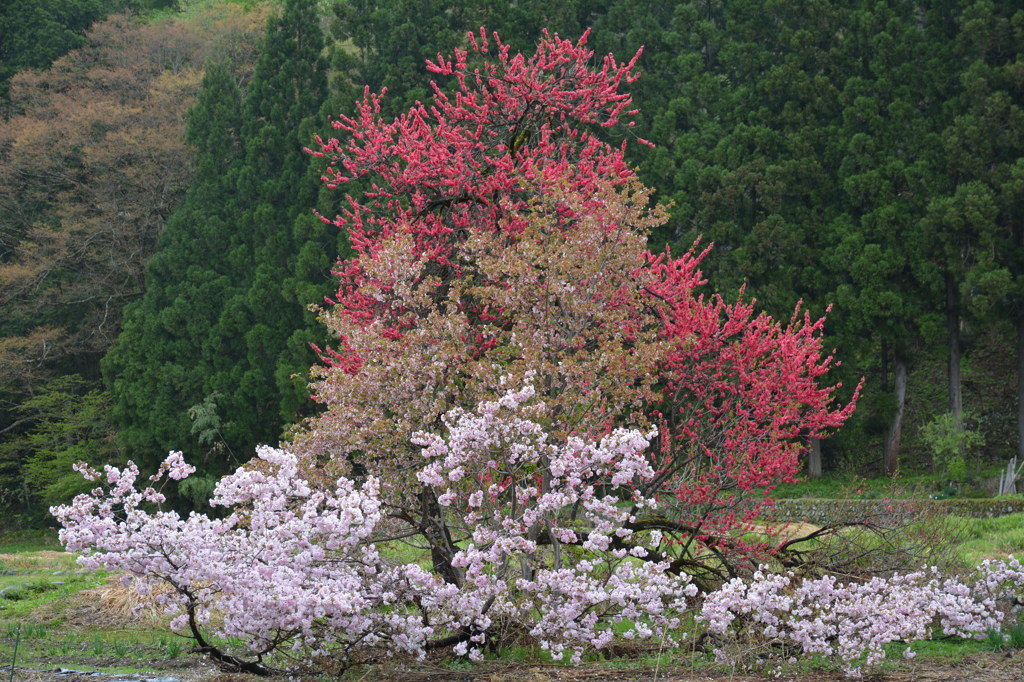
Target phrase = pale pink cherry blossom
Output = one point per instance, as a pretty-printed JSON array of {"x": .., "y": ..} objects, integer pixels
[
  {"x": 296, "y": 572},
  {"x": 854, "y": 621}
]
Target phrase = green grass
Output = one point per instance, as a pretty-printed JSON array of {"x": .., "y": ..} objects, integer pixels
[
  {"x": 172, "y": 648},
  {"x": 34, "y": 592},
  {"x": 34, "y": 614},
  {"x": 407, "y": 551},
  {"x": 43, "y": 645},
  {"x": 952, "y": 650},
  {"x": 992, "y": 538},
  {"x": 35, "y": 561},
  {"x": 1015, "y": 635},
  {"x": 902, "y": 486},
  {"x": 17, "y": 541}
]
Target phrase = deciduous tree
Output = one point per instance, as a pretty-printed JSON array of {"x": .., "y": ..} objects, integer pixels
[{"x": 503, "y": 238}]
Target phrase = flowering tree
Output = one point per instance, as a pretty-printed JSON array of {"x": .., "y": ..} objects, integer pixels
[
  {"x": 289, "y": 566},
  {"x": 295, "y": 567},
  {"x": 854, "y": 621},
  {"x": 501, "y": 238},
  {"x": 295, "y": 574}
]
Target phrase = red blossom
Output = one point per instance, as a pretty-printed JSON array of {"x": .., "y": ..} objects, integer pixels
[{"x": 509, "y": 156}]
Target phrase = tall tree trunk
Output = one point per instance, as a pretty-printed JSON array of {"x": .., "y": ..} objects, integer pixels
[
  {"x": 1017, "y": 310},
  {"x": 1020, "y": 389},
  {"x": 814, "y": 458},
  {"x": 956, "y": 401},
  {"x": 895, "y": 430},
  {"x": 885, "y": 365}
]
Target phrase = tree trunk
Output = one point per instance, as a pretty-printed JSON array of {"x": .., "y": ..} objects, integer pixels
[
  {"x": 895, "y": 430},
  {"x": 438, "y": 537},
  {"x": 1020, "y": 389},
  {"x": 814, "y": 458},
  {"x": 956, "y": 402},
  {"x": 885, "y": 365}
]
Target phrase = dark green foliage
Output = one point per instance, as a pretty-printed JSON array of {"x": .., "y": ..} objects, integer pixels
[
  {"x": 66, "y": 423},
  {"x": 863, "y": 154},
  {"x": 285, "y": 250},
  {"x": 385, "y": 44},
  {"x": 213, "y": 360},
  {"x": 841, "y": 153},
  {"x": 156, "y": 369}
]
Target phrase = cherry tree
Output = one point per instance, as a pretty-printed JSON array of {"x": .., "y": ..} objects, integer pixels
[
  {"x": 502, "y": 237},
  {"x": 295, "y": 573}
]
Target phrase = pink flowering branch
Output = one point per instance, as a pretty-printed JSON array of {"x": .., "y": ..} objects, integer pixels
[
  {"x": 298, "y": 573},
  {"x": 854, "y": 621},
  {"x": 519, "y": 497},
  {"x": 290, "y": 567}
]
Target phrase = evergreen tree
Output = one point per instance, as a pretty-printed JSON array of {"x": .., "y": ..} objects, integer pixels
[
  {"x": 861, "y": 154},
  {"x": 393, "y": 40},
  {"x": 157, "y": 368},
  {"x": 214, "y": 359},
  {"x": 978, "y": 219},
  {"x": 285, "y": 251}
]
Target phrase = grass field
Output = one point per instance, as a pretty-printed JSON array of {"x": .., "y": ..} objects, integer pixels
[{"x": 55, "y": 614}]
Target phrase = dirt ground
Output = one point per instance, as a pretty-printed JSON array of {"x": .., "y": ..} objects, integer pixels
[{"x": 993, "y": 667}]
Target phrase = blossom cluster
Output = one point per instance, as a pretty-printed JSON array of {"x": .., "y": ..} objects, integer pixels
[
  {"x": 527, "y": 505},
  {"x": 299, "y": 572},
  {"x": 854, "y": 621},
  {"x": 291, "y": 568},
  {"x": 298, "y": 568}
]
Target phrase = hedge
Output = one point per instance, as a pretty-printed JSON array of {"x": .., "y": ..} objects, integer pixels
[{"x": 822, "y": 511}]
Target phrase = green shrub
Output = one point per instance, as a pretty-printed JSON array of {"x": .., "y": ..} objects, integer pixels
[{"x": 949, "y": 444}]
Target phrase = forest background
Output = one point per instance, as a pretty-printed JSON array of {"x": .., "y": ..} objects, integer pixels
[{"x": 160, "y": 245}]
